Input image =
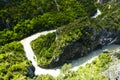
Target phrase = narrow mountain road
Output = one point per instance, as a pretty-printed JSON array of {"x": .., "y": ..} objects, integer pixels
[
  {"x": 56, "y": 71},
  {"x": 91, "y": 56},
  {"x": 31, "y": 56}
]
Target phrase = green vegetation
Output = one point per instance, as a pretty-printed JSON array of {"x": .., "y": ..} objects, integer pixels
[
  {"x": 65, "y": 68},
  {"x": 110, "y": 17},
  {"x": 22, "y": 18},
  {"x": 43, "y": 77},
  {"x": 92, "y": 71},
  {"x": 69, "y": 33},
  {"x": 13, "y": 63},
  {"x": 42, "y": 48},
  {"x": 48, "y": 46}
]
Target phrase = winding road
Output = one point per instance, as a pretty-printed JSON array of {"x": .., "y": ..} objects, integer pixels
[
  {"x": 31, "y": 56},
  {"x": 56, "y": 71}
]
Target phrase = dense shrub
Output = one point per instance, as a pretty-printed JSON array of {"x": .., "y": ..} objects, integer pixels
[
  {"x": 24, "y": 17},
  {"x": 42, "y": 48},
  {"x": 67, "y": 34},
  {"x": 92, "y": 71},
  {"x": 13, "y": 63}
]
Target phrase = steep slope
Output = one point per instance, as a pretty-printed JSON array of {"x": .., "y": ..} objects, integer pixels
[
  {"x": 78, "y": 34},
  {"x": 79, "y": 38},
  {"x": 31, "y": 56},
  {"x": 22, "y": 18}
]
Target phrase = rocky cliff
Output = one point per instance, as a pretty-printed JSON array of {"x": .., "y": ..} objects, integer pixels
[
  {"x": 91, "y": 40},
  {"x": 83, "y": 36}
]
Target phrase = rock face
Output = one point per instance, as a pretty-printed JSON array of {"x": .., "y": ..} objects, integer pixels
[
  {"x": 31, "y": 71},
  {"x": 91, "y": 40},
  {"x": 113, "y": 72}
]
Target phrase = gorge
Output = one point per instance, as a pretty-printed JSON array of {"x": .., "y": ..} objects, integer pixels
[
  {"x": 75, "y": 63},
  {"x": 94, "y": 39},
  {"x": 79, "y": 48},
  {"x": 59, "y": 39}
]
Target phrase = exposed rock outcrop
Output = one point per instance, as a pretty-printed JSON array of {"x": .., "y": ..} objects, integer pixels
[
  {"x": 31, "y": 71},
  {"x": 91, "y": 40}
]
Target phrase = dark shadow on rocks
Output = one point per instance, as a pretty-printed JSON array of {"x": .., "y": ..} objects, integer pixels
[
  {"x": 91, "y": 40},
  {"x": 31, "y": 71}
]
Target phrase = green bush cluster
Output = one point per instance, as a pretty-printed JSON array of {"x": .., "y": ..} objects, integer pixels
[
  {"x": 44, "y": 77},
  {"x": 67, "y": 34},
  {"x": 42, "y": 48},
  {"x": 52, "y": 44},
  {"x": 22, "y": 18},
  {"x": 13, "y": 63},
  {"x": 92, "y": 71},
  {"x": 110, "y": 17}
]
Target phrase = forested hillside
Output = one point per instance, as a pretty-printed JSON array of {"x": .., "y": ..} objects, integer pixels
[
  {"x": 21, "y": 18},
  {"x": 88, "y": 32},
  {"x": 76, "y": 35},
  {"x": 13, "y": 63}
]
